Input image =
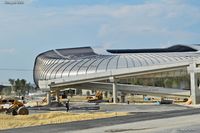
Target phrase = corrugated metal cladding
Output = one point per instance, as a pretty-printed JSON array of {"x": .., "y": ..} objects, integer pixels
[{"x": 62, "y": 63}]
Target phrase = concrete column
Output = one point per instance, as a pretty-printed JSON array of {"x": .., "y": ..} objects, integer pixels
[
  {"x": 195, "y": 92},
  {"x": 48, "y": 97},
  {"x": 113, "y": 80},
  {"x": 57, "y": 96},
  {"x": 114, "y": 92}
]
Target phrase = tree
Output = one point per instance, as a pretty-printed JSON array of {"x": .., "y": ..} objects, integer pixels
[
  {"x": 6, "y": 90},
  {"x": 17, "y": 87},
  {"x": 23, "y": 86},
  {"x": 20, "y": 86},
  {"x": 12, "y": 82}
]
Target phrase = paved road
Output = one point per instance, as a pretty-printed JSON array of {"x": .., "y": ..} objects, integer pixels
[
  {"x": 83, "y": 125},
  {"x": 140, "y": 107},
  {"x": 180, "y": 124}
]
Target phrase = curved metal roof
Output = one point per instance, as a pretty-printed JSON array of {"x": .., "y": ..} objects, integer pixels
[
  {"x": 61, "y": 63},
  {"x": 175, "y": 48}
]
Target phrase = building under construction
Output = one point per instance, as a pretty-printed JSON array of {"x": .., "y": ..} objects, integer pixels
[{"x": 161, "y": 71}]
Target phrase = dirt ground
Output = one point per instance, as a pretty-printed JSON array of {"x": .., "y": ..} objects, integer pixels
[{"x": 9, "y": 121}]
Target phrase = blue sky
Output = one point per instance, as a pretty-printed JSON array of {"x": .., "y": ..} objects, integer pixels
[{"x": 41, "y": 25}]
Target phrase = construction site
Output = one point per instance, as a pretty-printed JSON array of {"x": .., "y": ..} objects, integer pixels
[
  {"x": 78, "y": 86},
  {"x": 34, "y": 109}
]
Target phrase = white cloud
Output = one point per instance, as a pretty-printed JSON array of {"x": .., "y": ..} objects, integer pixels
[
  {"x": 165, "y": 19},
  {"x": 113, "y": 22}
]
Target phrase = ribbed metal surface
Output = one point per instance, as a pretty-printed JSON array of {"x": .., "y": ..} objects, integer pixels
[{"x": 62, "y": 63}]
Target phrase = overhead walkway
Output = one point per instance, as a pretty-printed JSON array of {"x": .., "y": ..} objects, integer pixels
[{"x": 136, "y": 89}]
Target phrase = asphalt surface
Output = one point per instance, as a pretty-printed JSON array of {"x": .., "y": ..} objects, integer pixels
[
  {"x": 88, "y": 124},
  {"x": 140, "y": 107},
  {"x": 180, "y": 124},
  {"x": 87, "y": 107}
]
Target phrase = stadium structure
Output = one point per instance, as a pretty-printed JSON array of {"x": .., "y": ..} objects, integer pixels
[{"x": 170, "y": 71}]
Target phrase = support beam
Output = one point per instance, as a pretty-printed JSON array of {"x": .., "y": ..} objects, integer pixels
[
  {"x": 114, "y": 87},
  {"x": 127, "y": 88},
  {"x": 48, "y": 98},
  {"x": 195, "y": 91},
  {"x": 114, "y": 92}
]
